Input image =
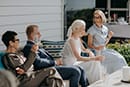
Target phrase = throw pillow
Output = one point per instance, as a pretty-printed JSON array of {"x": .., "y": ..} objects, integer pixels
[{"x": 53, "y": 47}]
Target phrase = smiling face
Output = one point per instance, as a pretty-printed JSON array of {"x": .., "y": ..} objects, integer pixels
[{"x": 97, "y": 19}]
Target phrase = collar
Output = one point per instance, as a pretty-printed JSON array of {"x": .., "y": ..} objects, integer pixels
[
  {"x": 97, "y": 28},
  {"x": 30, "y": 42}
]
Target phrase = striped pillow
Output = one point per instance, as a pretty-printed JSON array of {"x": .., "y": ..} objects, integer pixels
[{"x": 53, "y": 47}]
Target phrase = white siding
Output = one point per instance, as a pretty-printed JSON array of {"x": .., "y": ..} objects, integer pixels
[{"x": 17, "y": 14}]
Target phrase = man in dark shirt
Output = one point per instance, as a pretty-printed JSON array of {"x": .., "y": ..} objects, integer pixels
[{"x": 74, "y": 74}]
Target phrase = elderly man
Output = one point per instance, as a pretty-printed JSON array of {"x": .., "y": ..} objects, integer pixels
[{"x": 43, "y": 60}]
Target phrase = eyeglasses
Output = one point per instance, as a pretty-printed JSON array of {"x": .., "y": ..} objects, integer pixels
[
  {"x": 97, "y": 17},
  {"x": 17, "y": 40}
]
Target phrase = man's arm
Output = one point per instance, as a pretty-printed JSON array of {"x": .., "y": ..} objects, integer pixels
[
  {"x": 30, "y": 60},
  {"x": 12, "y": 62},
  {"x": 41, "y": 60},
  {"x": 40, "y": 63}
]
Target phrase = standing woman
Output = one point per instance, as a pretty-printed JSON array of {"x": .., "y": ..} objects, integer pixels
[
  {"x": 98, "y": 38},
  {"x": 72, "y": 52}
]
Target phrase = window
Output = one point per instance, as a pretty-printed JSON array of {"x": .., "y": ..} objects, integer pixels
[{"x": 114, "y": 10}]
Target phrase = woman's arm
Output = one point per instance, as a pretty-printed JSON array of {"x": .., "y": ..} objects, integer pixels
[
  {"x": 90, "y": 43},
  {"x": 91, "y": 54},
  {"x": 110, "y": 34},
  {"x": 79, "y": 57}
]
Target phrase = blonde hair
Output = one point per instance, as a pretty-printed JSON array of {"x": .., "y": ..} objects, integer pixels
[
  {"x": 103, "y": 17},
  {"x": 75, "y": 25}
]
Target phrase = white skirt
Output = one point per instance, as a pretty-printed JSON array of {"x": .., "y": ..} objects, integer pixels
[{"x": 93, "y": 70}]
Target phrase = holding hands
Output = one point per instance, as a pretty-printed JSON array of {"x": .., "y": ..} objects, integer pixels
[{"x": 99, "y": 58}]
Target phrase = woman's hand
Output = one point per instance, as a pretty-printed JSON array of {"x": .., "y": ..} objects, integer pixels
[
  {"x": 99, "y": 58},
  {"x": 110, "y": 34},
  {"x": 99, "y": 47},
  {"x": 91, "y": 54}
]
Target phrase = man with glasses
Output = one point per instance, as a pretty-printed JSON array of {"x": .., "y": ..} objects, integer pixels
[{"x": 22, "y": 67}]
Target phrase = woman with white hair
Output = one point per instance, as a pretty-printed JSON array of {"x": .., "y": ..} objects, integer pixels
[
  {"x": 72, "y": 52},
  {"x": 98, "y": 38}
]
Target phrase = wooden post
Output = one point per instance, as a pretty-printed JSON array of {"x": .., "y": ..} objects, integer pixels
[{"x": 108, "y": 8}]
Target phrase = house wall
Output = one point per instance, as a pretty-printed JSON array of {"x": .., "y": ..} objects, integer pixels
[
  {"x": 120, "y": 31},
  {"x": 18, "y": 14}
]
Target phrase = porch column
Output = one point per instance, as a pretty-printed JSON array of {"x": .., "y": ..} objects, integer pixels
[{"x": 108, "y": 8}]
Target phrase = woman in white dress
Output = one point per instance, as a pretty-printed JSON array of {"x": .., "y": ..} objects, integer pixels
[
  {"x": 98, "y": 38},
  {"x": 72, "y": 52}
]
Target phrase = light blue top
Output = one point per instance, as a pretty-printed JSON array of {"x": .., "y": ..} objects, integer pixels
[
  {"x": 115, "y": 60},
  {"x": 99, "y": 34}
]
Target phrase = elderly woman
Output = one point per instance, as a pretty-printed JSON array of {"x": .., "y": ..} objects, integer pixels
[
  {"x": 98, "y": 38},
  {"x": 73, "y": 48}
]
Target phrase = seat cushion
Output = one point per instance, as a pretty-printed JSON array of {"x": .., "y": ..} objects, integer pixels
[{"x": 53, "y": 47}]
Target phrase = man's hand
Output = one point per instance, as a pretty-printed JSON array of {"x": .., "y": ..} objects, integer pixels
[
  {"x": 34, "y": 48},
  {"x": 20, "y": 71}
]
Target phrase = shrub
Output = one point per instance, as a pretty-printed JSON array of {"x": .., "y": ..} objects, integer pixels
[{"x": 123, "y": 49}]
